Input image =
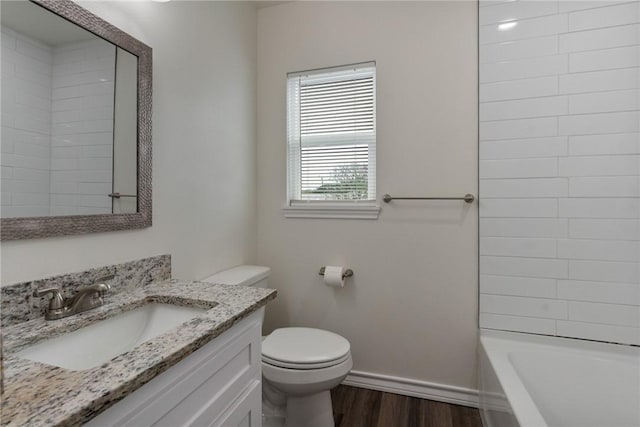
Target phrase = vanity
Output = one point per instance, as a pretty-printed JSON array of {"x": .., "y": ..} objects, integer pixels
[
  {"x": 202, "y": 369},
  {"x": 140, "y": 349}
]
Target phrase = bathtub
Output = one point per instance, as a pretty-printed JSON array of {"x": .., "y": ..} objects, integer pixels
[{"x": 539, "y": 381}]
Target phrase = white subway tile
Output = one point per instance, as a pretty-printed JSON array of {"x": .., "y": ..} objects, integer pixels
[
  {"x": 87, "y": 210},
  {"x": 518, "y": 247},
  {"x": 30, "y": 199},
  {"x": 97, "y": 126},
  {"x": 97, "y": 151},
  {"x": 524, "y": 148},
  {"x": 585, "y": 124},
  {"x": 30, "y": 174},
  {"x": 593, "y": 331},
  {"x": 100, "y": 188},
  {"x": 598, "y": 250},
  {"x": 605, "y": 208},
  {"x": 64, "y": 200},
  {"x": 600, "y": 81},
  {"x": 94, "y": 176},
  {"x": 518, "y": 286},
  {"x": 605, "y": 186},
  {"x": 620, "y": 143},
  {"x": 519, "y": 49},
  {"x": 524, "y": 68},
  {"x": 521, "y": 306},
  {"x": 524, "y": 227},
  {"x": 64, "y": 210},
  {"x": 604, "y": 38},
  {"x": 622, "y": 14},
  {"x": 525, "y": 108},
  {"x": 607, "y": 229},
  {"x": 523, "y": 128},
  {"x": 30, "y": 187},
  {"x": 602, "y": 102},
  {"x": 573, "y": 5},
  {"x": 98, "y": 201},
  {"x": 34, "y": 50},
  {"x": 603, "y": 292},
  {"x": 518, "y": 323},
  {"x": 524, "y": 267},
  {"x": 533, "y": 187},
  {"x": 610, "y": 314},
  {"x": 64, "y": 164},
  {"x": 528, "y": 28},
  {"x": 512, "y": 11},
  {"x": 95, "y": 164},
  {"x": 32, "y": 150},
  {"x": 518, "y": 89},
  {"x": 604, "y": 271},
  {"x": 519, "y": 168},
  {"x": 605, "y": 59},
  {"x": 599, "y": 166},
  {"x": 65, "y": 152},
  {"x": 485, "y": 3},
  {"x": 64, "y": 187},
  {"x": 518, "y": 208}
]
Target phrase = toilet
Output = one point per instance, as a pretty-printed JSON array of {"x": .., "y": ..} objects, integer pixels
[{"x": 299, "y": 365}]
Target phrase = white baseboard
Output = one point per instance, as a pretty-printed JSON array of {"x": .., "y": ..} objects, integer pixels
[{"x": 414, "y": 388}]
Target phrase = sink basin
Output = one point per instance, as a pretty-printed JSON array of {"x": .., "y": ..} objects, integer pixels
[{"x": 100, "y": 342}]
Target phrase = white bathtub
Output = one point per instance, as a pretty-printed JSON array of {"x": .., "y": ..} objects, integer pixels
[{"x": 537, "y": 381}]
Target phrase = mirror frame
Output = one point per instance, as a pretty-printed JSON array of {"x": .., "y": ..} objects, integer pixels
[{"x": 50, "y": 226}]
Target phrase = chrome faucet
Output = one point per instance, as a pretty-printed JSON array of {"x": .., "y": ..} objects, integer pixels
[{"x": 85, "y": 299}]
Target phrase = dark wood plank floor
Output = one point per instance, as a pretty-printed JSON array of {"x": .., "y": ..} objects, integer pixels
[{"x": 359, "y": 407}]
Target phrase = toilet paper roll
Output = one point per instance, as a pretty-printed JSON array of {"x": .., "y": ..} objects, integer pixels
[{"x": 333, "y": 276}]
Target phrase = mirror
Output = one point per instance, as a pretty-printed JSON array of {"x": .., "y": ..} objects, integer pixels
[{"x": 76, "y": 143}]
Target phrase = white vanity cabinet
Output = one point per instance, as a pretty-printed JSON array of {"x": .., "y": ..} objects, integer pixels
[{"x": 217, "y": 385}]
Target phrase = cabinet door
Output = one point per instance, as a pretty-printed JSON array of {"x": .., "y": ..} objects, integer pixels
[
  {"x": 198, "y": 389},
  {"x": 245, "y": 412}
]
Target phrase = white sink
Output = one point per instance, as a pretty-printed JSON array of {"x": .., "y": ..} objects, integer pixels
[{"x": 100, "y": 342}]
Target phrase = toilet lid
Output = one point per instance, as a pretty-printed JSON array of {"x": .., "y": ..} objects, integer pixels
[{"x": 301, "y": 346}]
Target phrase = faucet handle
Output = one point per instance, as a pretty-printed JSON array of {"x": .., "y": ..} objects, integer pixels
[{"x": 56, "y": 302}]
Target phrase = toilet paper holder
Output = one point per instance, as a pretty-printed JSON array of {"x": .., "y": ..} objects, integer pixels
[{"x": 347, "y": 273}]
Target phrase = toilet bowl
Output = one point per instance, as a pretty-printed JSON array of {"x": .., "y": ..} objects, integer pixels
[
  {"x": 303, "y": 365},
  {"x": 299, "y": 365}
]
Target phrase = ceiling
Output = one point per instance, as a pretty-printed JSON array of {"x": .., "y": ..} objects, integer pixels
[{"x": 38, "y": 23}]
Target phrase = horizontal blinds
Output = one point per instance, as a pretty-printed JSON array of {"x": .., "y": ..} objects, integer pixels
[{"x": 332, "y": 153}]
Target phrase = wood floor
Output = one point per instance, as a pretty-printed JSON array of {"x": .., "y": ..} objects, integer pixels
[{"x": 359, "y": 407}]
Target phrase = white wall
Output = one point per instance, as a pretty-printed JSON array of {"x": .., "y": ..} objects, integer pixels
[
  {"x": 26, "y": 124},
  {"x": 204, "y": 62},
  {"x": 559, "y": 145},
  {"x": 411, "y": 308}
]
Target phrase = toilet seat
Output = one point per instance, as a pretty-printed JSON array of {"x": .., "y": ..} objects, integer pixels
[
  {"x": 289, "y": 365},
  {"x": 304, "y": 348}
]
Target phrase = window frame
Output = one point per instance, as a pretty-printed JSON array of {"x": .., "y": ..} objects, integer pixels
[{"x": 335, "y": 209}]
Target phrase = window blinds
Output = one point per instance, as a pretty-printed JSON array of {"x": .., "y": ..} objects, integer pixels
[{"x": 331, "y": 131}]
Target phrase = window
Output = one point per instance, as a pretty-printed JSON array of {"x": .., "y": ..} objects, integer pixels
[{"x": 331, "y": 141}]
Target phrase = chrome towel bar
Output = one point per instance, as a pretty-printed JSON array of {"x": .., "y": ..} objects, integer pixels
[
  {"x": 118, "y": 195},
  {"x": 468, "y": 198}
]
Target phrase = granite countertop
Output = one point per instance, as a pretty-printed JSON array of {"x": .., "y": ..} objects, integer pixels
[{"x": 36, "y": 394}]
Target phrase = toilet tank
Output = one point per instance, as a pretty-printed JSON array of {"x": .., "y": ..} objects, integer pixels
[{"x": 246, "y": 275}]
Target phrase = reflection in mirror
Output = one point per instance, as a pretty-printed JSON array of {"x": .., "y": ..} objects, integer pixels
[{"x": 69, "y": 105}]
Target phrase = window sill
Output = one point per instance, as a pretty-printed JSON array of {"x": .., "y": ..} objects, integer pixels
[{"x": 332, "y": 211}]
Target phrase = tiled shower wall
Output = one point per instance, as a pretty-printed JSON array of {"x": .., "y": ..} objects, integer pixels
[
  {"x": 82, "y": 128},
  {"x": 26, "y": 122},
  {"x": 559, "y": 181},
  {"x": 57, "y": 126}
]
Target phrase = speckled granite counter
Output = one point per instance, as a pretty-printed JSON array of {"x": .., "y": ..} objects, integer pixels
[{"x": 42, "y": 395}]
